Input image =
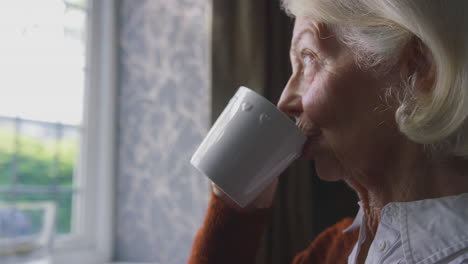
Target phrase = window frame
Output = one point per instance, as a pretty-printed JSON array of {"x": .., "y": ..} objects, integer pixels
[{"x": 93, "y": 209}]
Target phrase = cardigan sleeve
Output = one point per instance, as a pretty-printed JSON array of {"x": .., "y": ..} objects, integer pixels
[
  {"x": 228, "y": 235},
  {"x": 332, "y": 246}
]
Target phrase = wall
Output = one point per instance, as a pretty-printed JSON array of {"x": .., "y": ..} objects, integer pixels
[{"x": 164, "y": 113}]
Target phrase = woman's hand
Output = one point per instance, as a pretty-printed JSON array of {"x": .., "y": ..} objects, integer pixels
[{"x": 264, "y": 200}]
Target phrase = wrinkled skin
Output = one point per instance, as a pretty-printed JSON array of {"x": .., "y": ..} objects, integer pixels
[{"x": 338, "y": 105}]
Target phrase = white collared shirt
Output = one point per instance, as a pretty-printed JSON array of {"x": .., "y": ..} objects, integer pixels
[{"x": 420, "y": 232}]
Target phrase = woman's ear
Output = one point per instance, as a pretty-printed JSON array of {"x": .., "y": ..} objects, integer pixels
[{"x": 418, "y": 65}]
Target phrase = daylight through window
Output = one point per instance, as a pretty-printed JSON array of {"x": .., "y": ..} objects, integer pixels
[{"x": 41, "y": 111}]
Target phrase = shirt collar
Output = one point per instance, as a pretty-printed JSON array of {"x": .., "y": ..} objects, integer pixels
[
  {"x": 431, "y": 228},
  {"x": 358, "y": 220}
]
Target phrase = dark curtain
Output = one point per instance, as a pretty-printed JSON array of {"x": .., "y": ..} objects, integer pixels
[{"x": 250, "y": 47}]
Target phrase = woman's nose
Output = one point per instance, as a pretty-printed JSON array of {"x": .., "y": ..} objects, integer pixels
[{"x": 290, "y": 101}]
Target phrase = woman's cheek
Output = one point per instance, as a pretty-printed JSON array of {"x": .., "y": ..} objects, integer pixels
[
  {"x": 316, "y": 102},
  {"x": 309, "y": 84},
  {"x": 310, "y": 73}
]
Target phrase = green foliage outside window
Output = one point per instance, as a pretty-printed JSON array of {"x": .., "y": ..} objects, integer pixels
[{"x": 39, "y": 162}]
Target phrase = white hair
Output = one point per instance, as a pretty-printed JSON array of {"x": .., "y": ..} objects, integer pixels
[{"x": 378, "y": 31}]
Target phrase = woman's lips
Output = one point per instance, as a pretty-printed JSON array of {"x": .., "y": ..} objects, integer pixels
[
  {"x": 310, "y": 145},
  {"x": 312, "y": 132}
]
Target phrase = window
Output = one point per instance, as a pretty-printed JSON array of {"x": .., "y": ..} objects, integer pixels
[{"x": 57, "y": 105}]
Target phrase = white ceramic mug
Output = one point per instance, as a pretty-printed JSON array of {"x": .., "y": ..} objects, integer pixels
[{"x": 249, "y": 145}]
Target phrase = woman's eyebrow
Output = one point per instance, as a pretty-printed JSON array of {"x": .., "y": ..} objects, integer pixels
[{"x": 300, "y": 35}]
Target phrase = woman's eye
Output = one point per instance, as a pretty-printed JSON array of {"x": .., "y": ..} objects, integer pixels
[{"x": 307, "y": 59}]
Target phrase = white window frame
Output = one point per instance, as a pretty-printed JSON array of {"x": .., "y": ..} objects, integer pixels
[{"x": 93, "y": 209}]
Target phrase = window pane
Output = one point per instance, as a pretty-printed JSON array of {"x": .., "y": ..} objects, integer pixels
[
  {"x": 42, "y": 86},
  {"x": 62, "y": 201},
  {"x": 17, "y": 222},
  {"x": 26, "y": 230},
  {"x": 46, "y": 153},
  {"x": 43, "y": 56},
  {"x": 7, "y": 149}
]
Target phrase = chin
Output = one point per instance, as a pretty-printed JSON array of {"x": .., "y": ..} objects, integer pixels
[{"x": 327, "y": 166}]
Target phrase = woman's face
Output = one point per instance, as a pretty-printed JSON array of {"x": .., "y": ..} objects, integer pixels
[{"x": 339, "y": 106}]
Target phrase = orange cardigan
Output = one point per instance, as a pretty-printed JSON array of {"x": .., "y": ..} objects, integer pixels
[{"x": 229, "y": 236}]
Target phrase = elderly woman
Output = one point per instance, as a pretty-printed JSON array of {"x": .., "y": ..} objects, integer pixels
[{"x": 380, "y": 87}]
